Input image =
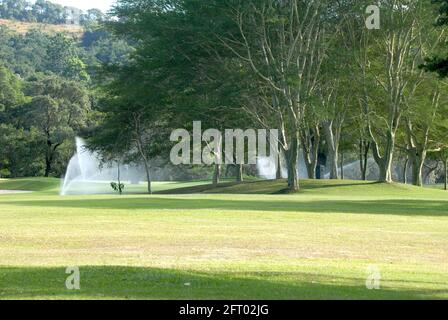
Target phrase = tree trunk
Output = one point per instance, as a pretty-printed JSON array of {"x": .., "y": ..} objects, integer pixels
[
  {"x": 120, "y": 191},
  {"x": 145, "y": 163},
  {"x": 405, "y": 171},
  {"x": 148, "y": 176},
  {"x": 49, "y": 156},
  {"x": 239, "y": 173},
  {"x": 361, "y": 159},
  {"x": 332, "y": 163},
  {"x": 417, "y": 151},
  {"x": 216, "y": 174},
  {"x": 47, "y": 167},
  {"x": 311, "y": 169},
  {"x": 140, "y": 142},
  {"x": 310, "y": 139},
  {"x": 292, "y": 157},
  {"x": 332, "y": 140},
  {"x": 364, "y": 148},
  {"x": 386, "y": 170},
  {"x": 278, "y": 171},
  {"x": 417, "y": 169},
  {"x": 342, "y": 165},
  {"x": 364, "y": 170},
  {"x": 49, "y": 159},
  {"x": 446, "y": 173},
  {"x": 311, "y": 166},
  {"x": 385, "y": 162}
]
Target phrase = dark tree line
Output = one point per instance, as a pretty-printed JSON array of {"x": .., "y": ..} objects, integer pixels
[
  {"x": 309, "y": 68},
  {"x": 336, "y": 90}
]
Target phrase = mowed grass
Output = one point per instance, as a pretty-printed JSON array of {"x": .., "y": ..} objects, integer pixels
[{"x": 237, "y": 241}]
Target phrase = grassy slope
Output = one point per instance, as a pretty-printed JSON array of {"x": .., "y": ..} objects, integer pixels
[
  {"x": 23, "y": 27},
  {"x": 315, "y": 244},
  {"x": 31, "y": 184}
]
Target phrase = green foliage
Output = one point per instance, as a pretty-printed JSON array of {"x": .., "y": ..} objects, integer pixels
[
  {"x": 4, "y": 173},
  {"x": 20, "y": 151},
  {"x": 443, "y": 11},
  {"x": 15, "y": 9},
  {"x": 92, "y": 17},
  {"x": 48, "y": 12},
  {"x": 57, "y": 110},
  {"x": 44, "y": 11},
  {"x": 45, "y": 86},
  {"x": 438, "y": 62},
  {"x": 118, "y": 187},
  {"x": 63, "y": 59},
  {"x": 10, "y": 90},
  {"x": 38, "y": 11},
  {"x": 162, "y": 64}
]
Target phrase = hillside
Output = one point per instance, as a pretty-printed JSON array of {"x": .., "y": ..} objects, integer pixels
[{"x": 24, "y": 27}]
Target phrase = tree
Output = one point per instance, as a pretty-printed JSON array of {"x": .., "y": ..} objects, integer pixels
[
  {"x": 11, "y": 94},
  {"x": 420, "y": 121},
  {"x": 396, "y": 41},
  {"x": 20, "y": 152},
  {"x": 92, "y": 16},
  {"x": 387, "y": 60},
  {"x": 444, "y": 156},
  {"x": 63, "y": 58},
  {"x": 177, "y": 49},
  {"x": 14, "y": 9},
  {"x": 283, "y": 44},
  {"x": 133, "y": 127},
  {"x": 438, "y": 63},
  {"x": 29, "y": 52},
  {"x": 48, "y": 12},
  {"x": 57, "y": 110}
]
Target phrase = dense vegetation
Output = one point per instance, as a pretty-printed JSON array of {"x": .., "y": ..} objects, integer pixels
[
  {"x": 337, "y": 90},
  {"x": 47, "y": 93},
  {"x": 45, "y": 12}
]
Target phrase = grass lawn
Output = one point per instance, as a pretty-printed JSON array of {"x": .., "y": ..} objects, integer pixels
[{"x": 245, "y": 241}]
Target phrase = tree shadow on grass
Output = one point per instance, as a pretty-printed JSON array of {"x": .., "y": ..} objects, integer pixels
[
  {"x": 390, "y": 206},
  {"x": 264, "y": 187},
  {"x": 116, "y": 282}
]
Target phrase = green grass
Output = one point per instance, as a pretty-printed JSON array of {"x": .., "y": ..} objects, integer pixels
[
  {"x": 440, "y": 186},
  {"x": 31, "y": 184},
  {"x": 245, "y": 241}
]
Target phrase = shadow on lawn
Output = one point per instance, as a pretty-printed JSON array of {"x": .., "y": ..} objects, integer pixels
[
  {"x": 263, "y": 187},
  {"x": 390, "y": 206},
  {"x": 111, "y": 282}
]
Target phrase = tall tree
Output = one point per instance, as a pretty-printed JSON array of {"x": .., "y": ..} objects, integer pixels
[
  {"x": 11, "y": 94},
  {"x": 135, "y": 118},
  {"x": 284, "y": 45},
  {"x": 63, "y": 58},
  {"x": 385, "y": 58},
  {"x": 58, "y": 110}
]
